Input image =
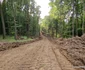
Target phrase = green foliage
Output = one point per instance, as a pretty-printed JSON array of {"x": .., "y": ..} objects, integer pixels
[
  {"x": 21, "y": 17},
  {"x": 66, "y": 18},
  {"x": 11, "y": 39}
]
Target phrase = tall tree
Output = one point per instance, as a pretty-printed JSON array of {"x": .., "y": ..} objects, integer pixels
[
  {"x": 2, "y": 18},
  {"x": 15, "y": 27}
]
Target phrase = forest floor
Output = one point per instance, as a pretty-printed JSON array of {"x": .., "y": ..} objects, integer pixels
[
  {"x": 11, "y": 39},
  {"x": 39, "y": 55}
]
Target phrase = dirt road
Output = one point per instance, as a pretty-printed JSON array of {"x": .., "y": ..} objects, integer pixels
[{"x": 40, "y": 55}]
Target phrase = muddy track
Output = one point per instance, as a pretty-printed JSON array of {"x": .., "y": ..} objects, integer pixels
[{"x": 40, "y": 55}]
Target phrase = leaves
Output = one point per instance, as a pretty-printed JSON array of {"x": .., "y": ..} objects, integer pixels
[{"x": 69, "y": 16}]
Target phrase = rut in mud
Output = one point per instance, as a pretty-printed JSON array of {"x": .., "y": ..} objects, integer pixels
[{"x": 40, "y": 55}]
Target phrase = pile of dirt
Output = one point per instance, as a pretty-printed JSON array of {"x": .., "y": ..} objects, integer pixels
[
  {"x": 73, "y": 49},
  {"x": 5, "y": 45}
]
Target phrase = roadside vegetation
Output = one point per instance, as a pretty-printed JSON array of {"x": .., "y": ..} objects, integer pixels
[
  {"x": 66, "y": 19},
  {"x": 18, "y": 19},
  {"x": 11, "y": 39}
]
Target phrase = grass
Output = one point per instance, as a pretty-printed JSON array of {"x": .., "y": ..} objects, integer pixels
[{"x": 11, "y": 39}]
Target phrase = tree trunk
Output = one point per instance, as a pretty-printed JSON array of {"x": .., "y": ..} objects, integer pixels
[
  {"x": 76, "y": 17},
  {"x": 73, "y": 19},
  {"x": 28, "y": 22},
  {"x": 83, "y": 24},
  {"x": 2, "y": 19},
  {"x": 15, "y": 28},
  {"x": 81, "y": 18}
]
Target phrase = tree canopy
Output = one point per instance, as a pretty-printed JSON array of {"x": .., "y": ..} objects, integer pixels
[
  {"x": 19, "y": 17},
  {"x": 66, "y": 18}
]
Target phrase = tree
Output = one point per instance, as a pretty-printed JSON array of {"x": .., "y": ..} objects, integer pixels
[
  {"x": 2, "y": 18},
  {"x": 20, "y": 17},
  {"x": 69, "y": 16}
]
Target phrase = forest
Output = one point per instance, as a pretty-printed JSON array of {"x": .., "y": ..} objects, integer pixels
[
  {"x": 22, "y": 18},
  {"x": 19, "y": 18},
  {"x": 66, "y": 18},
  {"x": 30, "y": 42}
]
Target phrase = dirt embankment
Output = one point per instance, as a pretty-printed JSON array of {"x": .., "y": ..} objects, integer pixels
[
  {"x": 5, "y": 45},
  {"x": 73, "y": 49}
]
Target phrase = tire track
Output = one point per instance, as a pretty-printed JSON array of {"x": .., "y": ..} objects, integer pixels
[
  {"x": 41, "y": 55},
  {"x": 28, "y": 64},
  {"x": 56, "y": 58},
  {"x": 18, "y": 58},
  {"x": 62, "y": 61}
]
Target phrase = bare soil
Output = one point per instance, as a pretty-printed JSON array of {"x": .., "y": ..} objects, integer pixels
[
  {"x": 39, "y": 55},
  {"x": 7, "y": 45},
  {"x": 73, "y": 49}
]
